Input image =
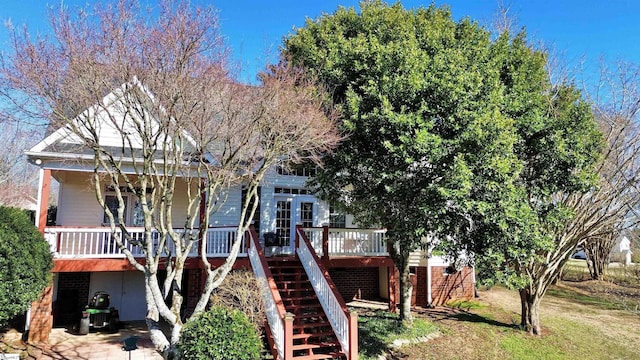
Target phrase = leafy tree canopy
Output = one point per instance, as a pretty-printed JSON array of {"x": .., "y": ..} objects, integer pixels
[
  {"x": 25, "y": 263},
  {"x": 449, "y": 133}
]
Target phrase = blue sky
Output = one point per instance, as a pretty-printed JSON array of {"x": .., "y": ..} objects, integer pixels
[{"x": 585, "y": 30}]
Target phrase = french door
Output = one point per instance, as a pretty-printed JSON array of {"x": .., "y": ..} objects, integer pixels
[{"x": 292, "y": 210}]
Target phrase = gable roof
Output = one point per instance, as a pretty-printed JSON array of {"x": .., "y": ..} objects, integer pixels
[{"x": 64, "y": 145}]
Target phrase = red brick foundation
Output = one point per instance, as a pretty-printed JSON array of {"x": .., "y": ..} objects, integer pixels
[
  {"x": 356, "y": 283},
  {"x": 72, "y": 295},
  {"x": 445, "y": 287},
  {"x": 194, "y": 279}
]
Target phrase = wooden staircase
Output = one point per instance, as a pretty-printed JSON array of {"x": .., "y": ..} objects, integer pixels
[{"x": 313, "y": 337}]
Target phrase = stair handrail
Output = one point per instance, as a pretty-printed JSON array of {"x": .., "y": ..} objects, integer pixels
[
  {"x": 343, "y": 322},
  {"x": 274, "y": 307}
]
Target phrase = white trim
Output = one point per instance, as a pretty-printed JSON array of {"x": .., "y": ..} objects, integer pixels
[
  {"x": 429, "y": 281},
  {"x": 49, "y": 140}
]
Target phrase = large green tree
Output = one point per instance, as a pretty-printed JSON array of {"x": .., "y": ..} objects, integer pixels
[
  {"x": 25, "y": 263},
  {"x": 450, "y": 134}
]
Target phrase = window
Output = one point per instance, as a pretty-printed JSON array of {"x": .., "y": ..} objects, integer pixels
[
  {"x": 449, "y": 270},
  {"x": 256, "y": 215},
  {"x": 306, "y": 214},
  {"x": 297, "y": 170},
  {"x": 337, "y": 219},
  {"x": 132, "y": 216},
  {"x": 280, "y": 190},
  {"x": 111, "y": 202},
  {"x": 138, "y": 213}
]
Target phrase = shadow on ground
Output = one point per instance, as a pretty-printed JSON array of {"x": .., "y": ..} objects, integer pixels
[{"x": 445, "y": 313}]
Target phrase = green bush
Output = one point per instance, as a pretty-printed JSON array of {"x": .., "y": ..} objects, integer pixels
[
  {"x": 25, "y": 263},
  {"x": 219, "y": 333}
]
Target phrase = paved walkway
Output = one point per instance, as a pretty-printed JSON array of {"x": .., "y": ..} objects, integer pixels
[{"x": 95, "y": 345}]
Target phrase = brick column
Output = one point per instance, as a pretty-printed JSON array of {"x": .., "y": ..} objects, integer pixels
[
  {"x": 41, "y": 318},
  {"x": 41, "y": 321}
]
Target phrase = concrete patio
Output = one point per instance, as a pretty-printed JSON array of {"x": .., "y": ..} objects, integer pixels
[{"x": 93, "y": 346}]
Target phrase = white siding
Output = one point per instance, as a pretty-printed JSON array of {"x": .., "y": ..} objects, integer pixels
[
  {"x": 229, "y": 212},
  {"x": 181, "y": 203},
  {"x": 77, "y": 203},
  {"x": 78, "y": 206},
  {"x": 418, "y": 258}
]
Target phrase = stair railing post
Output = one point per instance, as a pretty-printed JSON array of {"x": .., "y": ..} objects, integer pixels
[
  {"x": 325, "y": 243},
  {"x": 353, "y": 335},
  {"x": 288, "y": 336}
]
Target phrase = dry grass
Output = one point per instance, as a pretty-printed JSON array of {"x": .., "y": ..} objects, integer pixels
[{"x": 577, "y": 324}]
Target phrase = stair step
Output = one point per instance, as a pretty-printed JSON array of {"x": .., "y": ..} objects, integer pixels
[
  {"x": 286, "y": 264},
  {"x": 310, "y": 316},
  {"x": 311, "y": 325},
  {"x": 314, "y": 346},
  {"x": 315, "y": 305},
  {"x": 291, "y": 278},
  {"x": 294, "y": 290},
  {"x": 295, "y": 282},
  {"x": 331, "y": 355},
  {"x": 299, "y": 298},
  {"x": 306, "y": 336}
]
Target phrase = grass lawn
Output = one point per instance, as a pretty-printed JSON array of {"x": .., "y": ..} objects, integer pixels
[
  {"x": 580, "y": 319},
  {"x": 378, "y": 330}
]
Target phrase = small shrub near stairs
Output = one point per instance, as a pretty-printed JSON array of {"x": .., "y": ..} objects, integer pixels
[{"x": 219, "y": 333}]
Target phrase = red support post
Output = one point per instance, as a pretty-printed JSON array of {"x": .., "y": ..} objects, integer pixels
[
  {"x": 391, "y": 273},
  {"x": 43, "y": 199},
  {"x": 247, "y": 239},
  {"x": 203, "y": 201},
  {"x": 202, "y": 214},
  {"x": 325, "y": 244}
]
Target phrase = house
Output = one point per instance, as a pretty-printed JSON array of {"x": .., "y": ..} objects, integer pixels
[
  {"x": 622, "y": 250},
  {"x": 289, "y": 220}
]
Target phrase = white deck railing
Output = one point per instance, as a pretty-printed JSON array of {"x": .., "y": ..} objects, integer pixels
[
  {"x": 333, "y": 306},
  {"x": 88, "y": 242},
  {"x": 349, "y": 242},
  {"x": 274, "y": 308}
]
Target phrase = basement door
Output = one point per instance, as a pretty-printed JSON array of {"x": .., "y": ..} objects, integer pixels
[
  {"x": 126, "y": 292},
  {"x": 292, "y": 210}
]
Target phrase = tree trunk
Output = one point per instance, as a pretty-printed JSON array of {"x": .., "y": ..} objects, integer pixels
[
  {"x": 158, "y": 338},
  {"x": 597, "y": 251},
  {"x": 405, "y": 295},
  {"x": 530, "y": 320}
]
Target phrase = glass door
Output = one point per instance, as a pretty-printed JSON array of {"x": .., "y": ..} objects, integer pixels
[{"x": 292, "y": 210}]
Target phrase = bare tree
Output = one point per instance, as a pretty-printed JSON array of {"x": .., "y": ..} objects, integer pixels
[
  {"x": 612, "y": 208},
  {"x": 597, "y": 251},
  {"x": 17, "y": 177},
  {"x": 159, "y": 78},
  {"x": 609, "y": 207}
]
